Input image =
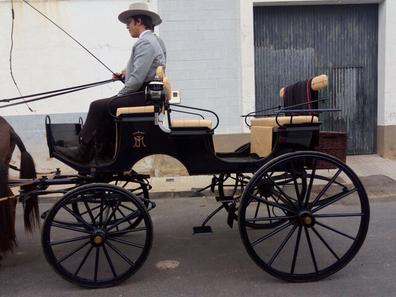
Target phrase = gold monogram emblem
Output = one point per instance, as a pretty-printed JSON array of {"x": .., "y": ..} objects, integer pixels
[{"x": 139, "y": 140}]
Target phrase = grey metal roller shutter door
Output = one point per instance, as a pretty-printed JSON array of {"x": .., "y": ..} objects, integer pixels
[{"x": 297, "y": 42}]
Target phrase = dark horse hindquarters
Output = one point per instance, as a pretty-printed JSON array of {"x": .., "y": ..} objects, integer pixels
[{"x": 7, "y": 205}]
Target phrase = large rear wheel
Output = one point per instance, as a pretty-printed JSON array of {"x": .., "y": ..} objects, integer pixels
[{"x": 321, "y": 214}]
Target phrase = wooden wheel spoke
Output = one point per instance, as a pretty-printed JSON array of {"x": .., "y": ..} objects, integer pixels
[
  {"x": 123, "y": 215},
  {"x": 274, "y": 218},
  {"x": 69, "y": 240},
  {"x": 83, "y": 261},
  {"x": 311, "y": 248},
  {"x": 114, "y": 209},
  {"x": 72, "y": 227},
  {"x": 109, "y": 261},
  {"x": 299, "y": 193},
  {"x": 96, "y": 264},
  {"x": 326, "y": 187},
  {"x": 126, "y": 207},
  {"x": 338, "y": 215},
  {"x": 89, "y": 211},
  {"x": 78, "y": 217},
  {"x": 335, "y": 230},
  {"x": 282, "y": 245},
  {"x": 125, "y": 258},
  {"x": 122, "y": 232},
  {"x": 127, "y": 218},
  {"x": 308, "y": 192},
  {"x": 274, "y": 204},
  {"x": 72, "y": 252},
  {"x": 296, "y": 248},
  {"x": 325, "y": 243},
  {"x": 140, "y": 246},
  {"x": 283, "y": 196},
  {"x": 330, "y": 200},
  {"x": 272, "y": 233}
]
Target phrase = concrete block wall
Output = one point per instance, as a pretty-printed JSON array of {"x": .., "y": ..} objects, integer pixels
[{"x": 203, "y": 43}]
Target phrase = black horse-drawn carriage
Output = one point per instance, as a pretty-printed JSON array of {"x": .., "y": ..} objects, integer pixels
[{"x": 302, "y": 214}]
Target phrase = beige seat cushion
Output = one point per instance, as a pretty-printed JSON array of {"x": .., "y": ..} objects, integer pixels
[
  {"x": 284, "y": 120},
  {"x": 135, "y": 109},
  {"x": 261, "y": 140},
  {"x": 186, "y": 123},
  {"x": 262, "y": 131}
]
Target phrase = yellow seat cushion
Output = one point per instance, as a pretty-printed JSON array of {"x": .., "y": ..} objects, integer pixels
[
  {"x": 183, "y": 123},
  {"x": 135, "y": 109},
  {"x": 284, "y": 120},
  {"x": 262, "y": 131},
  {"x": 261, "y": 140}
]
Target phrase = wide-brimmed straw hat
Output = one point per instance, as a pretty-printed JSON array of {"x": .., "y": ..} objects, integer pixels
[{"x": 139, "y": 8}]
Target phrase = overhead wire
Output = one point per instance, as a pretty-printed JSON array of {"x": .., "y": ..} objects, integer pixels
[
  {"x": 48, "y": 94},
  {"x": 68, "y": 34},
  {"x": 11, "y": 51}
]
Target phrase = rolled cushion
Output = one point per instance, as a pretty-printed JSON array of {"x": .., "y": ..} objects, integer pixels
[
  {"x": 135, "y": 109},
  {"x": 186, "y": 123},
  {"x": 284, "y": 120}
]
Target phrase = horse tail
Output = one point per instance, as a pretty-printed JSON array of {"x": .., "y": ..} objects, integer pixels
[
  {"x": 7, "y": 214},
  {"x": 28, "y": 170}
]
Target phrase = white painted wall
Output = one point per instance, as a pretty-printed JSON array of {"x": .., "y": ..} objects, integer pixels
[
  {"x": 210, "y": 56},
  {"x": 387, "y": 64},
  {"x": 203, "y": 42},
  {"x": 45, "y": 58}
]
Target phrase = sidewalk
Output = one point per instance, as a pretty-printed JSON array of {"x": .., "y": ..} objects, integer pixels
[{"x": 377, "y": 174}]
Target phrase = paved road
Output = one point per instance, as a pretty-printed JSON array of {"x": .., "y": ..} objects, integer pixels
[{"x": 210, "y": 264}]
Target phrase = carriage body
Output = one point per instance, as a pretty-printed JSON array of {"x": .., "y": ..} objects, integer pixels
[
  {"x": 138, "y": 136},
  {"x": 286, "y": 199}
]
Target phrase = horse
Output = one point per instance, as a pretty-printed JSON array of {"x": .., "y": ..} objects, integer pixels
[{"x": 8, "y": 140}]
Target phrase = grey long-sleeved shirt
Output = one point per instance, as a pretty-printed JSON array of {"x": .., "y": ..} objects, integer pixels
[{"x": 147, "y": 54}]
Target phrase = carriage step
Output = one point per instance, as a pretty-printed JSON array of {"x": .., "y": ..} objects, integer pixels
[
  {"x": 202, "y": 229},
  {"x": 225, "y": 199}
]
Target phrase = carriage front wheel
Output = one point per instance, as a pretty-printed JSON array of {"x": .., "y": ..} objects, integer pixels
[
  {"x": 97, "y": 246},
  {"x": 322, "y": 214}
]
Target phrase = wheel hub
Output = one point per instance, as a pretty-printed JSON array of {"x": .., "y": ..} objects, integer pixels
[
  {"x": 98, "y": 238},
  {"x": 265, "y": 189},
  {"x": 306, "y": 219}
]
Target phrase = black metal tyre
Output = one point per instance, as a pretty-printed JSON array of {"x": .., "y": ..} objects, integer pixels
[
  {"x": 323, "y": 212},
  {"x": 86, "y": 248}
]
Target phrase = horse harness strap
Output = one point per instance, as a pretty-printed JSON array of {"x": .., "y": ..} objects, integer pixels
[{"x": 7, "y": 198}]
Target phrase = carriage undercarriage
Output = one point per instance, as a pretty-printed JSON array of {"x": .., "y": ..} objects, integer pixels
[{"x": 302, "y": 215}]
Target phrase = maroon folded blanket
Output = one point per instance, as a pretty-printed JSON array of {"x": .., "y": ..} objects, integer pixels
[{"x": 300, "y": 93}]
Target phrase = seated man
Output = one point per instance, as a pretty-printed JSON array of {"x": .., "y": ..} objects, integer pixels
[{"x": 147, "y": 54}]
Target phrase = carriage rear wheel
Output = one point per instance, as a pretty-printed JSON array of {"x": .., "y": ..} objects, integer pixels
[
  {"x": 92, "y": 248},
  {"x": 322, "y": 214}
]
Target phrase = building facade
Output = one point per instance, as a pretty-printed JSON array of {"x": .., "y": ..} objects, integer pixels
[{"x": 230, "y": 56}]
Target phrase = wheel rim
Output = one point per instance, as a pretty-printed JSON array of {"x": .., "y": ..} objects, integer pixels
[
  {"x": 95, "y": 249},
  {"x": 322, "y": 216},
  {"x": 140, "y": 188}
]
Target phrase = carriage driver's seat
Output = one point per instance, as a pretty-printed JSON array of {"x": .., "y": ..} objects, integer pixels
[
  {"x": 174, "y": 123},
  {"x": 160, "y": 75}
]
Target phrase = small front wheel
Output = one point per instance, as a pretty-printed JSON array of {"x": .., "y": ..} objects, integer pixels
[
  {"x": 321, "y": 215},
  {"x": 92, "y": 247}
]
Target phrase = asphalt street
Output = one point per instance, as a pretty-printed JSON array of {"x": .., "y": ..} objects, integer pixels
[{"x": 213, "y": 264}]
